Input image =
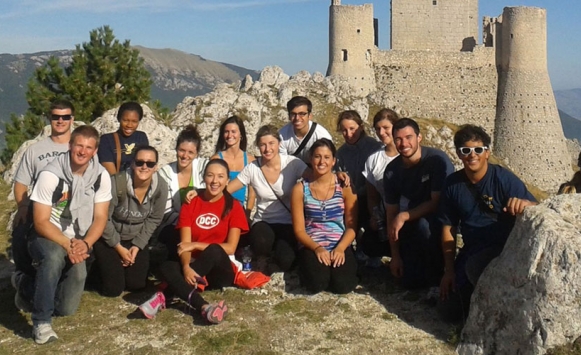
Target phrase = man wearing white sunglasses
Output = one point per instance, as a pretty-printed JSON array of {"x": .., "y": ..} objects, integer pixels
[{"x": 482, "y": 199}]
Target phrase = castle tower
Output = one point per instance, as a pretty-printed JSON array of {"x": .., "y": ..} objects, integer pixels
[
  {"x": 528, "y": 132},
  {"x": 438, "y": 25},
  {"x": 352, "y": 44}
]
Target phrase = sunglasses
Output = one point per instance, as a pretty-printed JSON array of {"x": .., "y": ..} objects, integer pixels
[
  {"x": 468, "y": 150},
  {"x": 64, "y": 117},
  {"x": 150, "y": 164}
]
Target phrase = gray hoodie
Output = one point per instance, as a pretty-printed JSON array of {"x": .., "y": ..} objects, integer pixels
[{"x": 131, "y": 220}]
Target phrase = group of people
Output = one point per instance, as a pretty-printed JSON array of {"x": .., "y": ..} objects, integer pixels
[{"x": 311, "y": 204}]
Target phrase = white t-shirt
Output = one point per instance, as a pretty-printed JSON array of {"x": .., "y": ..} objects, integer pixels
[
  {"x": 43, "y": 192},
  {"x": 289, "y": 141},
  {"x": 268, "y": 208},
  {"x": 374, "y": 168}
]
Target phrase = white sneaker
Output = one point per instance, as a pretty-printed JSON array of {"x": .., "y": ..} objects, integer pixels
[
  {"x": 150, "y": 307},
  {"x": 43, "y": 333}
]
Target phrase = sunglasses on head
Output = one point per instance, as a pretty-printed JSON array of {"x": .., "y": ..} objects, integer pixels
[
  {"x": 468, "y": 150},
  {"x": 150, "y": 164},
  {"x": 55, "y": 117}
]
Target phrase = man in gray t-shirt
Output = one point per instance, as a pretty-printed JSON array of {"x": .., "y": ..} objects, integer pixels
[{"x": 36, "y": 157}]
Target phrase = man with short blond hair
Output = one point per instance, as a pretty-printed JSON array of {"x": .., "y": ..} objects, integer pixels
[{"x": 70, "y": 210}]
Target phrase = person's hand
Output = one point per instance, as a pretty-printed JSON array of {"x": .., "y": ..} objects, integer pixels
[
  {"x": 133, "y": 251},
  {"x": 395, "y": 226},
  {"x": 323, "y": 256},
  {"x": 190, "y": 276},
  {"x": 396, "y": 266},
  {"x": 344, "y": 178},
  {"x": 20, "y": 216},
  {"x": 190, "y": 196},
  {"x": 186, "y": 247},
  {"x": 447, "y": 284},
  {"x": 79, "y": 247},
  {"x": 516, "y": 205},
  {"x": 338, "y": 257},
  {"x": 126, "y": 257}
]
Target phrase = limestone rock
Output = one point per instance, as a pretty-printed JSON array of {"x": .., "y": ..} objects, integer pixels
[
  {"x": 527, "y": 299},
  {"x": 273, "y": 76}
]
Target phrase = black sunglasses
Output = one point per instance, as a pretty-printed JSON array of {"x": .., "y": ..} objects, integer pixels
[
  {"x": 468, "y": 150},
  {"x": 150, "y": 164},
  {"x": 64, "y": 117}
]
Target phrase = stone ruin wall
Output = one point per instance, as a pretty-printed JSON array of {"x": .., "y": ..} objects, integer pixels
[
  {"x": 458, "y": 87},
  {"x": 442, "y": 25}
]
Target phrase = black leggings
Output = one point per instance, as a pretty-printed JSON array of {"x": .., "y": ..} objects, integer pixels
[
  {"x": 317, "y": 277},
  {"x": 278, "y": 239},
  {"x": 212, "y": 262},
  {"x": 115, "y": 278}
]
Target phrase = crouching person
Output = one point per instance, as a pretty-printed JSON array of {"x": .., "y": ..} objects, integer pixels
[
  {"x": 136, "y": 209},
  {"x": 210, "y": 227},
  {"x": 482, "y": 199},
  {"x": 71, "y": 199}
]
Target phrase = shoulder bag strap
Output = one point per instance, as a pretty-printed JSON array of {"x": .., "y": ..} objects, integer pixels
[
  {"x": 118, "y": 149},
  {"x": 269, "y": 185},
  {"x": 305, "y": 140}
]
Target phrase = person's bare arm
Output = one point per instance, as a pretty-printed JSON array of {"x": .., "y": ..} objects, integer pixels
[
  {"x": 22, "y": 201},
  {"x": 415, "y": 213},
  {"x": 338, "y": 253},
  {"x": 447, "y": 285},
  {"x": 44, "y": 227}
]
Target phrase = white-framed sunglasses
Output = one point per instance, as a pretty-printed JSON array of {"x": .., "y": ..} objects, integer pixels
[{"x": 468, "y": 150}]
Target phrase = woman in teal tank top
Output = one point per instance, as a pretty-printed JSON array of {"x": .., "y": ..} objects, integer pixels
[{"x": 231, "y": 147}]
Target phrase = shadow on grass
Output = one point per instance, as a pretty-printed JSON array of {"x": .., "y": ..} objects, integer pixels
[
  {"x": 410, "y": 306},
  {"x": 10, "y": 317}
]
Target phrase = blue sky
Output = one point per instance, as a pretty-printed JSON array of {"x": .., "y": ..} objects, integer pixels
[{"x": 292, "y": 34}]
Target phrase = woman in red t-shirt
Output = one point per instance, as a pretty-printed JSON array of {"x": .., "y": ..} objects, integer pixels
[{"x": 210, "y": 227}]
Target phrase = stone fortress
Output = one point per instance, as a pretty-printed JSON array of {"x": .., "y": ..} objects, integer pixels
[{"x": 437, "y": 69}]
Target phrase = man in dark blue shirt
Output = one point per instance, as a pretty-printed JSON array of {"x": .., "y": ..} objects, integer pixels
[
  {"x": 412, "y": 184},
  {"x": 483, "y": 200}
]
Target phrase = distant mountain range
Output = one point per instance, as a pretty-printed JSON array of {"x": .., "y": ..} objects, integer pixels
[{"x": 175, "y": 75}]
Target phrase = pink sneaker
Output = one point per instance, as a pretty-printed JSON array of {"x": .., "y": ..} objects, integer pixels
[
  {"x": 215, "y": 312},
  {"x": 153, "y": 305}
]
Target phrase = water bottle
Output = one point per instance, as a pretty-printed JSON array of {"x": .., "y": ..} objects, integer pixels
[{"x": 246, "y": 259}]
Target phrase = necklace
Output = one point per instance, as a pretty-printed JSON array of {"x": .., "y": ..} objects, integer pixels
[{"x": 323, "y": 201}]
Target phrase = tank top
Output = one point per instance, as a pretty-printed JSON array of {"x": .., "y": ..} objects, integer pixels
[
  {"x": 240, "y": 195},
  {"x": 324, "y": 220}
]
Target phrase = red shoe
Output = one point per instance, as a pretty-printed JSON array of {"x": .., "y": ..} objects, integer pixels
[{"x": 215, "y": 312}]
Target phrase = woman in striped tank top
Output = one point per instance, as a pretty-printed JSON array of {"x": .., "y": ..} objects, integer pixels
[{"x": 324, "y": 216}]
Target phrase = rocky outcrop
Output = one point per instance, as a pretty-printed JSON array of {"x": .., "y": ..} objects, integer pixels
[{"x": 528, "y": 299}]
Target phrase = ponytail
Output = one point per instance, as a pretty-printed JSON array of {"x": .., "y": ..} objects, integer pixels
[{"x": 229, "y": 202}]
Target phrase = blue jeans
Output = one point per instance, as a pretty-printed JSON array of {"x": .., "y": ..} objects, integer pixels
[{"x": 58, "y": 285}]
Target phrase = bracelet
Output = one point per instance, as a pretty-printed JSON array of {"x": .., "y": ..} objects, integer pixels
[
  {"x": 89, "y": 249},
  {"x": 320, "y": 246}
]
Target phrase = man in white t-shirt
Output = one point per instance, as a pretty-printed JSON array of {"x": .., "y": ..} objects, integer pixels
[
  {"x": 292, "y": 134},
  {"x": 70, "y": 211},
  {"x": 36, "y": 157}
]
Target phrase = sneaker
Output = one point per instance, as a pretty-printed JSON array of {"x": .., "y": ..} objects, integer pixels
[
  {"x": 19, "y": 302},
  {"x": 153, "y": 305},
  {"x": 215, "y": 312},
  {"x": 43, "y": 333}
]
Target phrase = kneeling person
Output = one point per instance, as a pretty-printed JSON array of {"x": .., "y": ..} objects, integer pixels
[
  {"x": 483, "y": 199},
  {"x": 71, "y": 199}
]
